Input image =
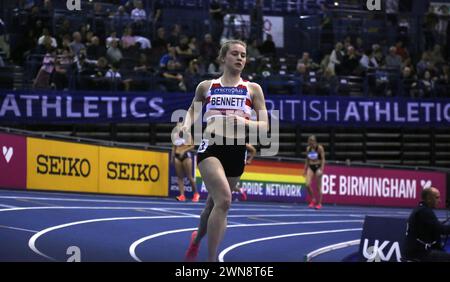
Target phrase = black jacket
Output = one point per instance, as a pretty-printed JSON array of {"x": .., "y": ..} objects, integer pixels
[{"x": 423, "y": 226}]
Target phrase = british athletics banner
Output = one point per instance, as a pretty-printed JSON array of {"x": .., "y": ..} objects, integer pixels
[{"x": 85, "y": 107}]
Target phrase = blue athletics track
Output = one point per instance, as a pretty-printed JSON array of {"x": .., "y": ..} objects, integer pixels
[{"x": 46, "y": 226}]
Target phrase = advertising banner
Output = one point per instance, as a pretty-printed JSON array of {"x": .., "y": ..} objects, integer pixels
[
  {"x": 13, "y": 161},
  {"x": 269, "y": 181},
  {"x": 379, "y": 186},
  {"x": 61, "y": 166},
  {"x": 133, "y": 172},
  {"x": 154, "y": 107}
]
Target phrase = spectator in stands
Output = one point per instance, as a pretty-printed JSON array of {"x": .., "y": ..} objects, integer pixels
[
  {"x": 94, "y": 50},
  {"x": 215, "y": 68},
  {"x": 143, "y": 42},
  {"x": 347, "y": 43},
  {"x": 34, "y": 21},
  {"x": 350, "y": 63},
  {"x": 65, "y": 45},
  {"x": 184, "y": 52},
  {"x": 429, "y": 28},
  {"x": 302, "y": 75},
  {"x": 113, "y": 71},
  {"x": 393, "y": 60},
  {"x": 192, "y": 75},
  {"x": 139, "y": 17},
  {"x": 172, "y": 79},
  {"x": 359, "y": 47},
  {"x": 101, "y": 67},
  {"x": 208, "y": 50},
  {"x": 138, "y": 14},
  {"x": 127, "y": 39},
  {"x": 111, "y": 38},
  {"x": 409, "y": 82},
  {"x": 114, "y": 77},
  {"x": 143, "y": 65},
  {"x": 76, "y": 45},
  {"x": 159, "y": 43},
  {"x": 328, "y": 83},
  {"x": 170, "y": 56},
  {"x": 60, "y": 80},
  {"x": 98, "y": 18},
  {"x": 436, "y": 56},
  {"x": 336, "y": 58},
  {"x": 424, "y": 62},
  {"x": 97, "y": 78},
  {"x": 216, "y": 16},
  {"x": 401, "y": 50},
  {"x": 308, "y": 62},
  {"x": 83, "y": 65},
  {"x": 368, "y": 60},
  {"x": 424, "y": 230},
  {"x": 175, "y": 35},
  {"x": 121, "y": 15},
  {"x": 443, "y": 82},
  {"x": 120, "y": 19},
  {"x": 378, "y": 55},
  {"x": 426, "y": 85},
  {"x": 42, "y": 80},
  {"x": 65, "y": 29},
  {"x": 46, "y": 36},
  {"x": 114, "y": 54},
  {"x": 253, "y": 50},
  {"x": 194, "y": 46},
  {"x": 392, "y": 11},
  {"x": 268, "y": 48}
]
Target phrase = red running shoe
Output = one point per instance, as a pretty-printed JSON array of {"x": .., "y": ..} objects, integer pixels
[
  {"x": 318, "y": 207},
  {"x": 196, "y": 197},
  {"x": 244, "y": 194},
  {"x": 311, "y": 205},
  {"x": 192, "y": 251},
  {"x": 181, "y": 198}
]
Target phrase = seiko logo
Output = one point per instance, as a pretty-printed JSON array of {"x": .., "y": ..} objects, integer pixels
[
  {"x": 133, "y": 172},
  {"x": 57, "y": 165},
  {"x": 375, "y": 252}
]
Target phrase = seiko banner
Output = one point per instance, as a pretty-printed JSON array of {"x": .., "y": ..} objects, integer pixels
[{"x": 73, "y": 107}]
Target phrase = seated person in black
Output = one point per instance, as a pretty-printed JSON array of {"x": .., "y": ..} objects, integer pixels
[{"x": 423, "y": 234}]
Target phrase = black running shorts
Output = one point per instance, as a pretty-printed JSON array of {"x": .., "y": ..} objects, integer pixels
[{"x": 232, "y": 157}]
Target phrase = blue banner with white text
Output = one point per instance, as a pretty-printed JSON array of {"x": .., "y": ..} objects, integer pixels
[{"x": 95, "y": 107}]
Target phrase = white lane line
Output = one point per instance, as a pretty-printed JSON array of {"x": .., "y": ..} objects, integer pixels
[
  {"x": 135, "y": 244},
  {"x": 331, "y": 248},
  {"x": 253, "y": 204},
  {"x": 17, "y": 228},
  {"x": 35, "y": 237},
  {"x": 7, "y": 206},
  {"x": 225, "y": 251},
  {"x": 191, "y": 215},
  {"x": 95, "y": 201}
]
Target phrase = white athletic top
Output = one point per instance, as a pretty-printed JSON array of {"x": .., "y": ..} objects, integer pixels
[{"x": 221, "y": 100}]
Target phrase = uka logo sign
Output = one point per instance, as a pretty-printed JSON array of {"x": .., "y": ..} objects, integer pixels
[{"x": 376, "y": 253}]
